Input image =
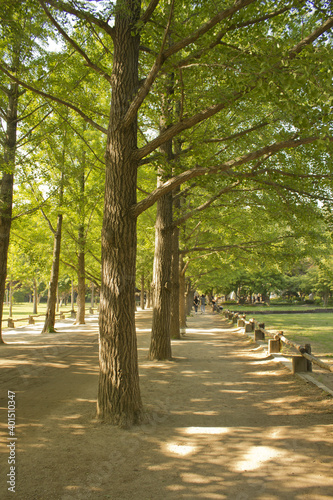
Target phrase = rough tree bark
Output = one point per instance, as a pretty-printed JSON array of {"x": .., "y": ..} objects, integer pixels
[
  {"x": 119, "y": 399},
  {"x": 142, "y": 295},
  {"x": 81, "y": 243},
  {"x": 6, "y": 189},
  {"x": 182, "y": 298},
  {"x": 160, "y": 345},
  {"x": 81, "y": 295},
  {"x": 175, "y": 324},
  {"x": 53, "y": 285},
  {"x": 35, "y": 297}
]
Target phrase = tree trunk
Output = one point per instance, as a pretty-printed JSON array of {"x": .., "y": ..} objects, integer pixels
[
  {"x": 52, "y": 293},
  {"x": 6, "y": 190},
  {"x": 142, "y": 296},
  {"x": 119, "y": 400},
  {"x": 175, "y": 323},
  {"x": 160, "y": 345},
  {"x": 72, "y": 297},
  {"x": 35, "y": 297},
  {"x": 182, "y": 299},
  {"x": 10, "y": 299},
  {"x": 92, "y": 303},
  {"x": 148, "y": 295},
  {"x": 81, "y": 295}
]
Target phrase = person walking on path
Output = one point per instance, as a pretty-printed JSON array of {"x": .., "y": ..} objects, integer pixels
[
  {"x": 196, "y": 303},
  {"x": 203, "y": 303}
]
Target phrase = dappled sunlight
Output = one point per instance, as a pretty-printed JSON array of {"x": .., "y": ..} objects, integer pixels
[
  {"x": 219, "y": 424},
  {"x": 216, "y": 431},
  {"x": 180, "y": 449},
  {"x": 255, "y": 457},
  {"x": 195, "y": 331}
]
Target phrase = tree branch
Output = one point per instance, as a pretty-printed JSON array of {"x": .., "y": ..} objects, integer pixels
[
  {"x": 87, "y": 16},
  {"x": 164, "y": 55},
  {"x": 205, "y": 205},
  {"x": 242, "y": 246},
  {"x": 145, "y": 88},
  {"x": 149, "y": 11},
  {"x": 74, "y": 44},
  {"x": 212, "y": 110},
  {"x": 219, "y": 169},
  {"x": 55, "y": 99}
]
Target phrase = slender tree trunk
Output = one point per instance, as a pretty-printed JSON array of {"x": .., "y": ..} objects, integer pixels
[
  {"x": 58, "y": 298},
  {"x": 119, "y": 400},
  {"x": 92, "y": 295},
  {"x": 148, "y": 295},
  {"x": 175, "y": 312},
  {"x": 160, "y": 345},
  {"x": 189, "y": 298},
  {"x": 10, "y": 298},
  {"x": 72, "y": 297},
  {"x": 81, "y": 296},
  {"x": 142, "y": 295},
  {"x": 35, "y": 297},
  {"x": 6, "y": 190},
  {"x": 52, "y": 293},
  {"x": 182, "y": 299}
]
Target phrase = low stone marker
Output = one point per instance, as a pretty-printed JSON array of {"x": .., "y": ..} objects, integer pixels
[
  {"x": 274, "y": 346},
  {"x": 259, "y": 334},
  {"x": 299, "y": 364}
]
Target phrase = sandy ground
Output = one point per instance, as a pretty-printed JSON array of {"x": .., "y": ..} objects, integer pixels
[{"x": 227, "y": 422}]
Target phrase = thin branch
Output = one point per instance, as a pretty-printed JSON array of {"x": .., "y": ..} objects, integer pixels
[
  {"x": 4, "y": 90},
  {"x": 87, "y": 16},
  {"x": 184, "y": 192},
  {"x": 79, "y": 135},
  {"x": 239, "y": 134},
  {"x": 205, "y": 205},
  {"x": 19, "y": 142},
  {"x": 251, "y": 22},
  {"x": 193, "y": 37},
  {"x": 327, "y": 25},
  {"x": 149, "y": 11},
  {"x": 242, "y": 246},
  {"x": 185, "y": 124},
  {"x": 74, "y": 44},
  {"x": 164, "y": 55},
  {"x": 55, "y": 99},
  {"x": 188, "y": 236},
  {"x": 213, "y": 110},
  {"x": 22, "y": 118},
  {"x": 145, "y": 88},
  {"x": 219, "y": 169}
]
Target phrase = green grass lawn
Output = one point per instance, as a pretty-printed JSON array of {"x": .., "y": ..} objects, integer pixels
[
  {"x": 314, "y": 329},
  {"x": 23, "y": 310}
]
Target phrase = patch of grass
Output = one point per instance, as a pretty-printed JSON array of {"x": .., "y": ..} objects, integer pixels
[
  {"x": 275, "y": 307},
  {"x": 314, "y": 329},
  {"x": 24, "y": 310}
]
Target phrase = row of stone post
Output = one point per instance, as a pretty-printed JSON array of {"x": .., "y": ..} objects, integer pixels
[{"x": 299, "y": 363}]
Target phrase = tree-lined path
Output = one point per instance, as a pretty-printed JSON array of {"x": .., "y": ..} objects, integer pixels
[{"x": 224, "y": 421}]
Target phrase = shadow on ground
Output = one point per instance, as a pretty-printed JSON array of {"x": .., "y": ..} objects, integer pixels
[{"x": 225, "y": 422}]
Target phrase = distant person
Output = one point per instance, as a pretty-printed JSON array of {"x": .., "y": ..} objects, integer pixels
[
  {"x": 213, "y": 305},
  {"x": 196, "y": 303},
  {"x": 203, "y": 303}
]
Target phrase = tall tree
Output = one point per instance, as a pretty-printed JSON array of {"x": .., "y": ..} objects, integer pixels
[
  {"x": 257, "y": 46},
  {"x": 19, "y": 26}
]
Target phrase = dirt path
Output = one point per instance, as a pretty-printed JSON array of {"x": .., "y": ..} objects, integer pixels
[{"x": 227, "y": 423}]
